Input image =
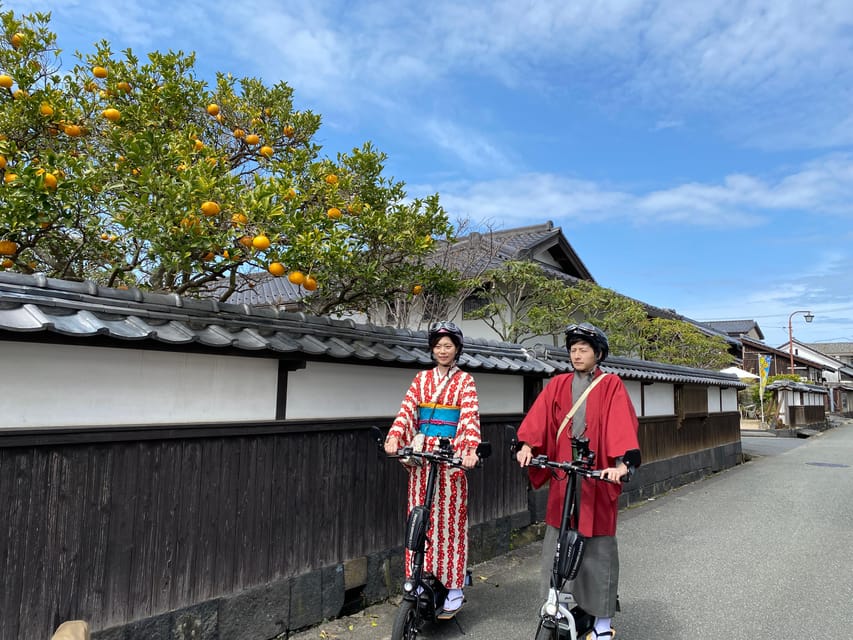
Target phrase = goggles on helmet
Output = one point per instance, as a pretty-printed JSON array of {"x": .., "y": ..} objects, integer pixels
[
  {"x": 443, "y": 326},
  {"x": 583, "y": 329}
]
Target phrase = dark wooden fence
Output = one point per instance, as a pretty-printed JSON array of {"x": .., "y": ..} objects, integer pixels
[
  {"x": 666, "y": 437},
  {"x": 802, "y": 415},
  {"x": 115, "y": 525}
]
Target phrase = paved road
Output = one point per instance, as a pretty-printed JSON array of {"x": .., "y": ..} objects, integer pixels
[
  {"x": 760, "y": 551},
  {"x": 765, "y": 444}
]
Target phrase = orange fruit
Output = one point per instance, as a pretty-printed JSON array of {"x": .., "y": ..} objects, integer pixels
[
  {"x": 20, "y": 94},
  {"x": 190, "y": 223},
  {"x": 296, "y": 277},
  {"x": 208, "y": 256},
  {"x": 17, "y": 40},
  {"x": 261, "y": 242},
  {"x": 123, "y": 86},
  {"x": 7, "y": 263},
  {"x": 50, "y": 181},
  {"x": 310, "y": 283},
  {"x": 417, "y": 290},
  {"x": 113, "y": 115},
  {"x": 8, "y": 248},
  {"x": 210, "y": 208},
  {"x": 266, "y": 151},
  {"x": 6, "y": 81},
  {"x": 10, "y": 177},
  {"x": 253, "y": 139},
  {"x": 246, "y": 241},
  {"x": 289, "y": 131},
  {"x": 73, "y": 130},
  {"x": 331, "y": 179},
  {"x": 99, "y": 72},
  {"x": 198, "y": 145},
  {"x": 220, "y": 118},
  {"x": 2, "y": 162},
  {"x": 276, "y": 268},
  {"x": 45, "y": 109},
  {"x": 213, "y": 109},
  {"x": 334, "y": 213},
  {"x": 290, "y": 194},
  {"x": 239, "y": 133},
  {"x": 239, "y": 218},
  {"x": 105, "y": 236}
]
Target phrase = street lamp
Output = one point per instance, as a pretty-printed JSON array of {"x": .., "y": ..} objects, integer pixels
[{"x": 809, "y": 316}]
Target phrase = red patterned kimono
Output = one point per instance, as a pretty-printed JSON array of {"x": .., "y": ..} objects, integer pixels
[{"x": 447, "y": 555}]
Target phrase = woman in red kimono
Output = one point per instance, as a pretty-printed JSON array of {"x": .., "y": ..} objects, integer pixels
[
  {"x": 607, "y": 418},
  {"x": 442, "y": 403}
]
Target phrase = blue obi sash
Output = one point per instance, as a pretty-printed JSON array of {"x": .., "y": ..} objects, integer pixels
[{"x": 438, "y": 420}]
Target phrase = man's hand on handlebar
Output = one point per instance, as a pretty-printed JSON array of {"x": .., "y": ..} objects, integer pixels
[
  {"x": 615, "y": 474},
  {"x": 524, "y": 455}
]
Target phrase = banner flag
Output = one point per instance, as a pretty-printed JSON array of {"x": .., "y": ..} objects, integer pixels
[{"x": 763, "y": 369}]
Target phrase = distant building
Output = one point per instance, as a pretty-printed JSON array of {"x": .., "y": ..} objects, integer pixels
[
  {"x": 842, "y": 351},
  {"x": 737, "y": 328}
]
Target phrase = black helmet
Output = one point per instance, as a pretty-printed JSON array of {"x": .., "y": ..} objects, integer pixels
[
  {"x": 591, "y": 334},
  {"x": 439, "y": 329}
]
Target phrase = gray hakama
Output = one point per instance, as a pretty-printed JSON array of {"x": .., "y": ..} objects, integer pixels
[{"x": 596, "y": 585}]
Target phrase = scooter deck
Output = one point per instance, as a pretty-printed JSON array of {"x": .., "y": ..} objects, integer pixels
[{"x": 443, "y": 614}]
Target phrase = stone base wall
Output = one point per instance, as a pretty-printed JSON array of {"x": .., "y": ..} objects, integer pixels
[{"x": 295, "y": 603}]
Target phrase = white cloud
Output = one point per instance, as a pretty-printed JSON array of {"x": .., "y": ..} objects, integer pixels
[
  {"x": 771, "y": 73},
  {"x": 822, "y": 187}
]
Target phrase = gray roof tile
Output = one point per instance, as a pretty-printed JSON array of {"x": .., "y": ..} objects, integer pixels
[{"x": 38, "y": 304}]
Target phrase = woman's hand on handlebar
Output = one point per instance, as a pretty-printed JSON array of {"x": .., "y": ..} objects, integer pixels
[
  {"x": 524, "y": 455},
  {"x": 614, "y": 474},
  {"x": 470, "y": 459},
  {"x": 391, "y": 446}
]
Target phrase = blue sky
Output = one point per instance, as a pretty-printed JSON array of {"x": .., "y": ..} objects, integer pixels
[{"x": 697, "y": 155}]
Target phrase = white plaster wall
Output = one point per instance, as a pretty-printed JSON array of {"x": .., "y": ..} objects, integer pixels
[
  {"x": 330, "y": 390},
  {"x": 660, "y": 399},
  {"x": 713, "y": 399},
  {"x": 63, "y": 385},
  {"x": 326, "y": 390},
  {"x": 635, "y": 390},
  {"x": 728, "y": 400}
]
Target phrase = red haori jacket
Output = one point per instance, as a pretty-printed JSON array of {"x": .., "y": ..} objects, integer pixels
[{"x": 611, "y": 426}]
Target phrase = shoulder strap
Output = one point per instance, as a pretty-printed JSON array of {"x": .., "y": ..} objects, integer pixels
[{"x": 577, "y": 404}]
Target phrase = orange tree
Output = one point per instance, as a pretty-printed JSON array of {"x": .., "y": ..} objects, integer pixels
[{"x": 136, "y": 173}]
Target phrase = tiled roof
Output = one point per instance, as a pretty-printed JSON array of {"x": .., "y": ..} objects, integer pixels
[
  {"x": 633, "y": 369},
  {"x": 734, "y": 327},
  {"x": 796, "y": 386},
  {"x": 472, "y": 254},
  {"x": 832, "y": 348},
  {"x": 36, "y": 304},
  {"x": 262, "y": 289}
]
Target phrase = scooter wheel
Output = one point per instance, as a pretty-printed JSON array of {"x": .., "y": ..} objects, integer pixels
[
  {"x": 547, "y": 630},
  {"x": 407, "y": 622}
]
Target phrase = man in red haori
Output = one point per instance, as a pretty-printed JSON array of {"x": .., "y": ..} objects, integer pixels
[
  {"x": 608, "y": 420},
  {"x": 441, "y": 403}
]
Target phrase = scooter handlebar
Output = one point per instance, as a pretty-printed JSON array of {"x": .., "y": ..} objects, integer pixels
[{"x": 575, "y": 467}]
